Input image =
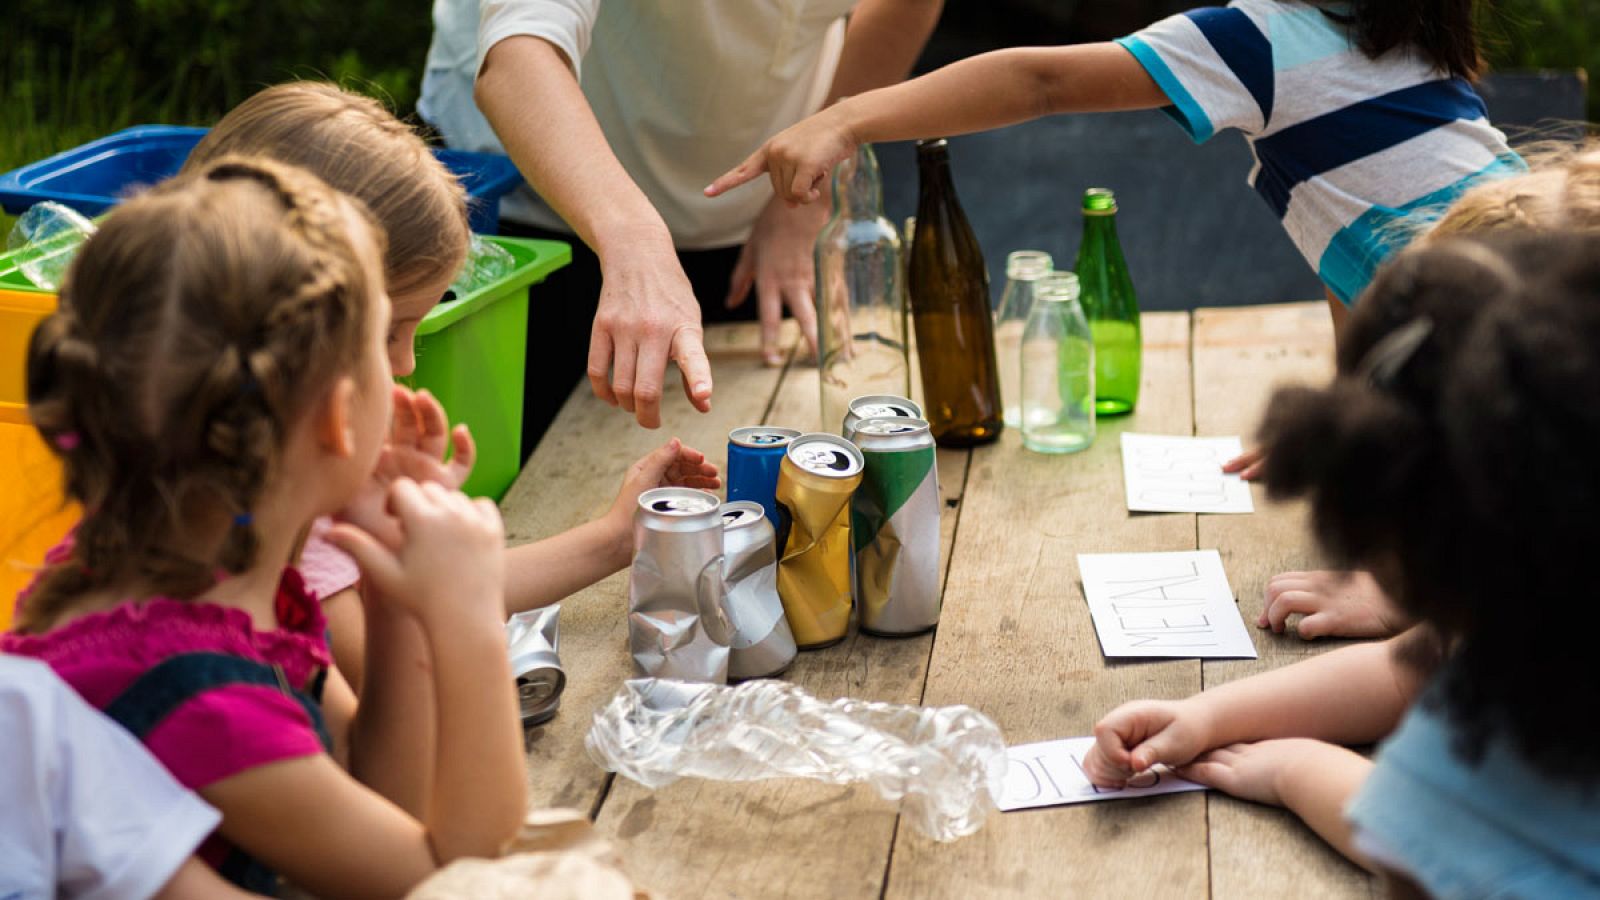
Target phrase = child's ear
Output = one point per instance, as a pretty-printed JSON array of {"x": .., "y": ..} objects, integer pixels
[{"x": 335, "y": 419}]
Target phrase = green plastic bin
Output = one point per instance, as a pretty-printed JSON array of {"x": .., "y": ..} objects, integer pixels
[{"x": 471, "y": 354}]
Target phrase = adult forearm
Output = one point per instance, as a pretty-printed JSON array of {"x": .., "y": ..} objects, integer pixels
[
  {"x": 1001, "y": 88},
  {"x": 393, "y": 735},
  {"x": 547, "y": 571},
  {"x": 1352, "y": 695},
  {"x": 529, "y": 94},
  {"x": 479, "y": 795},
  {"x": 882, "y": 43},
  {"x": 1319, "y": 790}
]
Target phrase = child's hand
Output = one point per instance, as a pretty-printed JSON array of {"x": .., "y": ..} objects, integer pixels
[
  {"x": 670, "y": 465},
  {"x": 445, "y": 557},
  {"x": 1135, "y": 736},
  {"x": 1248, "y": 464},
  {"x": 1332, "y": 604},
  {"x": 800, "y": 159},
  {"x": 1254, "y": 771},
  {"x": 419, "y": 434}
]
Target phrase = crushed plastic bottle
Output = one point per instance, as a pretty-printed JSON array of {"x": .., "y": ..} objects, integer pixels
[
  {"x": 486, "y": 263},
  {"x": 44, "y": 240},
  {"x": 947, "y": 763}
]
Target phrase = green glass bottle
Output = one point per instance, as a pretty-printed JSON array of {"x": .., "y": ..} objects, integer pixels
[{"x": 1110, "y": 304}]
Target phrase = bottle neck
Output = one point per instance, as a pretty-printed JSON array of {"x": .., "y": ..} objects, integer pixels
[
  {"x": 857, "y": 186},
  {"x": 1099, "y": 226}
]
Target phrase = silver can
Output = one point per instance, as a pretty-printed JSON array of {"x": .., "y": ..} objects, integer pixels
[
  {"x": 895, "y": 518},
  {"x": 676, "y": 624},
  {"x": 762, "y": 644},
  {"x": 877, "y": 406},
  {"x": 533, "y": 639}
]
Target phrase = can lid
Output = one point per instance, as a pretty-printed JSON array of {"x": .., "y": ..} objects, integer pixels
[
  {"x": 827, "y": 455},
  {"x": 740, "y": 513},
  {"x": 762, "y": 436},
  {"x": 675, "y": 501},
  {"x": 873, "y": 406},
  {"x": 891, "y": 425}
]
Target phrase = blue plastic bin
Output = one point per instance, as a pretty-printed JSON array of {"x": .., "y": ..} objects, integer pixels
[{"x": 93, "y": 177}]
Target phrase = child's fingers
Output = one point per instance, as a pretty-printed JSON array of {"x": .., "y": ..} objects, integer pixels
[
  {"x": 434, "y": 427},
  {"x": 375, "y": 560},
  {"x": 464, "y": 453},
  {"x": 743, "y": 173},
  {"x": 404, "y": 428},
  {"x": 1316, "y": 625},
  {"x": 1290, "y": 603}
]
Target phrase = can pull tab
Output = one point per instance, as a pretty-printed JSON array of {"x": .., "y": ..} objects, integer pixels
[{"x": 710, "y": 593}]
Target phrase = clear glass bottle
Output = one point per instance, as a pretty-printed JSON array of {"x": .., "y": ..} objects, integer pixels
[
  {"x": 950, "y": 308},
  {"x": 1023, "y": 269},
  {"x": 861, "y": 307},
  {"x": 1110, "y": 304},
  {"x": 1058, "y": 369}
]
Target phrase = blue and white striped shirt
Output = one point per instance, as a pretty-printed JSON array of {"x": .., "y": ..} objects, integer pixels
[{"x": 1347, "y": 148}]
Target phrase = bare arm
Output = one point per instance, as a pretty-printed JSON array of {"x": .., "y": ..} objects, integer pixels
[
  {"x": 393, "y": 731},
  {"x": 195, "y": 880},
  {"x": 882, "y": 43},
  {"x": 987, "y": 91},
  {"x": 648, "y": 312}
]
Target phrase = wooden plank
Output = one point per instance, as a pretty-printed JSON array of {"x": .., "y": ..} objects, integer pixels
[
  {"x": 1017, "y": 643},
  {"x": 1240, "y": 356},
  {"x": 785, "y": 838},
  {"x": 573, "y": 477}
]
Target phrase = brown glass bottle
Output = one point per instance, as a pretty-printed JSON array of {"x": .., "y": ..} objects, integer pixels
[{"x": 949, "y": 289}]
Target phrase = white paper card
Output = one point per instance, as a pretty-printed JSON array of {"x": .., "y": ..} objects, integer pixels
[
  {"x": 1170, "y": 473},
  {"x": 1050, "y": 773},
  {"x": 1172, "y": 605}
]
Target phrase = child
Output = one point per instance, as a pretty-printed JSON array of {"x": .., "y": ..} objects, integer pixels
[
  {"x": 1358, "y": 114},
  {"x": 1464, "y": 395},
  {"x": 214, "y": 378},
  {"x": 1561, "y": 193},
  {"x": 359, "y": 148},
  {"x": 84, "y": 811}
]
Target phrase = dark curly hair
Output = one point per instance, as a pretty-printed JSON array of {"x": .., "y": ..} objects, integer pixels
[
  {"x": 1454, "y": 456},
  {"x": 1443, "y": 31},
  {"x": 193, "y": 331}
]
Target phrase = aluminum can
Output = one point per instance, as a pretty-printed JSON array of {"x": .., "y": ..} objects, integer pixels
[
  {"x": 676, "y": 624},
  {"x": 761, "y": 643},
  {"x": 533, "y": 639},
  {"x": 755, "y": 453},
  {"x": 894, "y": 519},
  {"x": 819, "y": 473},
  {"x": 876, "y": 406}
]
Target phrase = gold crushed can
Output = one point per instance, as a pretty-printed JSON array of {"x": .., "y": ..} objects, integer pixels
[{"x": 819, "y": 474}]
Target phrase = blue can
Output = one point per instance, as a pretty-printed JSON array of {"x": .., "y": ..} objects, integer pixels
[{"x": 755, "y": 453}]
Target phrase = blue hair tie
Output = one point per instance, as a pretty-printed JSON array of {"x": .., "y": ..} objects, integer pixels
[{"x": 243, "y": 520}]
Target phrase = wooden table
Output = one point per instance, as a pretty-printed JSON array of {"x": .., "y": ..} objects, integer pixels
[{"x": 1015, "y": 641}]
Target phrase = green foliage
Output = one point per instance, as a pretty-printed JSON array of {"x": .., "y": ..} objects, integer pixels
[
  {"x": 1544, "y": 34},
  {"x": 73, "y": 71}
]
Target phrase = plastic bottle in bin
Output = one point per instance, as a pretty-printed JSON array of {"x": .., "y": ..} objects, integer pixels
[
  {"x": 1110, "y": 304},
  {"x": 44, "y": 240},
  {"x": 486, "y": 263},
  {"x": 861, "y": 312},
  {"x": 950, "y": 309}
]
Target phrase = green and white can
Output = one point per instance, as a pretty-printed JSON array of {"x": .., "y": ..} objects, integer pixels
[{"x": 895, "y": 523}]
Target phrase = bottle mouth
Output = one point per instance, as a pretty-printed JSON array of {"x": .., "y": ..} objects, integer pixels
[{"x": 1099, "y": 201}]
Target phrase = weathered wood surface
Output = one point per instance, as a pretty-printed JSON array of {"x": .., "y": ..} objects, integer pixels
[
  {"x": 1240, "y": 357},
  {"x": 1016, "y": 641}
]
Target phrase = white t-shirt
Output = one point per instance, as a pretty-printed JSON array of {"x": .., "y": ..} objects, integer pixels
[
  {"x": 683, "y": 90},
  {"x": 85, "y": 811}
]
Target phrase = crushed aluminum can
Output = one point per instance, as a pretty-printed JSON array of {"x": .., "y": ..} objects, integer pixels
[
  {"x": 819, "y": 473},
  {"x": 894, "y": 519},
  {"x": 677, "y": 626},
  {"x": 877, "y": 406},
  {"x": 533, "y": 639},
  {"x": 762, "y": 644}
]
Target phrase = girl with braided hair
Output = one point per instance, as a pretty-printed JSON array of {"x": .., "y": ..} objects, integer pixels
[
  {"x": 214, "y": 379},
  {"x": 361, "y": 149},
  {"x": 1452, "y": 457}
]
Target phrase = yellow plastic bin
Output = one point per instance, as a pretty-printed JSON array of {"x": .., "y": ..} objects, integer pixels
[{"x": 33, "y": 514}]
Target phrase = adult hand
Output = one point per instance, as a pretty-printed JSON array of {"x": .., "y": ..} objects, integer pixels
[
  {"x": 1135, "y": 736},
  {"x": 647, "y": 316},
  {"x": 778, "y": 261},
  {"x": 799, "y": 159}
]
